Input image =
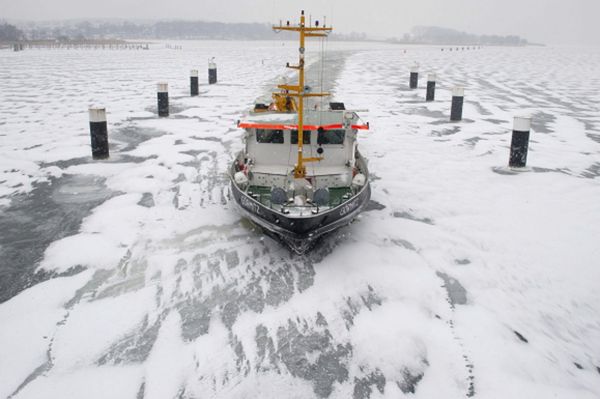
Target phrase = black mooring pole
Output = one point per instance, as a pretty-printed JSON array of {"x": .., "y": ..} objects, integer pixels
[
  {"x": 519, "y": 144},
  {"x": 98, "y": 133},
  {"x": 430, "y": 96},
  {"x": 194, "y": 82},
  {"x": 458, "y": 97},
  {"x": 162, "y": 96},
  {"x": 414, "y": 76}
]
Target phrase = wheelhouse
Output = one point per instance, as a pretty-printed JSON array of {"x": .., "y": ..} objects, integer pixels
[{"x": 269, "y": 159}]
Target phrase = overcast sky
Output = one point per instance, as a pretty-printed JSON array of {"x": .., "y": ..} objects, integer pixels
[{"x": 547, "y": 21}]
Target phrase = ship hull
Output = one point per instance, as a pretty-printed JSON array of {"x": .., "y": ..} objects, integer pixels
[{"x": 300, "y": 233}]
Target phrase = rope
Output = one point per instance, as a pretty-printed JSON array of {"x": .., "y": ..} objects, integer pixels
[{"x": 322, "y": 74}]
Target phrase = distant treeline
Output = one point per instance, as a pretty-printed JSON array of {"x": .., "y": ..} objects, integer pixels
[
  {"x": 161, "y": 30},
  {"x": 444, "y": 36},
  {"x": 118, "y": 29},
  {"x": 10, "y": 33}
]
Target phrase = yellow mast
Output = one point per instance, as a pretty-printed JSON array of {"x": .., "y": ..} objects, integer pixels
[{"x": 298, "y": 91}]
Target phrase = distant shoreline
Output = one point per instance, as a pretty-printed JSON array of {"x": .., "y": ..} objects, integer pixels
[
  {"x": 117, "y": 41},
  {"x": 102, "y": 30}
]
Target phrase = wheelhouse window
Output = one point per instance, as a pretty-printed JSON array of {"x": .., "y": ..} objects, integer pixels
[
  {"x": 273, "y": 136},
  {"x": 331, "y": 136},
  {"x": 305, "y": 137}
]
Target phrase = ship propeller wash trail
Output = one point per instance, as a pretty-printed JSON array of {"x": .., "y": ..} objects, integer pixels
[{"x": 300, "y": 174}]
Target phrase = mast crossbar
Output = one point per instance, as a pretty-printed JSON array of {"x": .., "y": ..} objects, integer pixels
[{"x": 309, "y": 94}]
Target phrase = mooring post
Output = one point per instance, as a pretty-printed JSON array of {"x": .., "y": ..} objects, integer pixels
[
  {"x": 163, "y": 99},
  {"x": 430, "y": 96},
  {"x": 212, "y": 71},
  {"x": 458, "y": 96},
  {"x": 194, "y": 82},
  {"x": 519, "y": 144},
  {"x": 98, "y": 133},
  {"x": 414, "y": 76}
]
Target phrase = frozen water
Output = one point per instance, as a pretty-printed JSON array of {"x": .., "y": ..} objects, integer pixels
[
  {"x": 136, "y": 277},
  {"x": 53, "y": 210}
]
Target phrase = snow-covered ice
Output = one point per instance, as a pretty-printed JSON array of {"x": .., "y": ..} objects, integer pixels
[{"x": 136, "y": 277}]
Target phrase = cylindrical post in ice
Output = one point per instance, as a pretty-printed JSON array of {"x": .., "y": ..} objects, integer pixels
[
  {"x": 163, "y": 99},
  {"x": 458, "y": 97},
  {"x": 98, "y": 133},
  {"x": 414, "y": 76},
  {"x": 194, "y": 82},
  {"x": 430, "y": 96},
  {"x": 212, "y": 71},
  {"x": 519, "y": 144}
]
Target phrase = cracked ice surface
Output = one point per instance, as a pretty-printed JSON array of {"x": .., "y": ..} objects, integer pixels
[{"x": 137, "y": 278}]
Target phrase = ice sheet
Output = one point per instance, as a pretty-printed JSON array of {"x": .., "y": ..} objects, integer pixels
[{"x": 463, "y": 279}]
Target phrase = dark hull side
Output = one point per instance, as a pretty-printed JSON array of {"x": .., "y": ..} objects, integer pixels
[{"x": 300, "y": 233}]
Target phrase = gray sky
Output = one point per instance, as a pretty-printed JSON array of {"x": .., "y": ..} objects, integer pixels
[{"x": 548, "y": 21}]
